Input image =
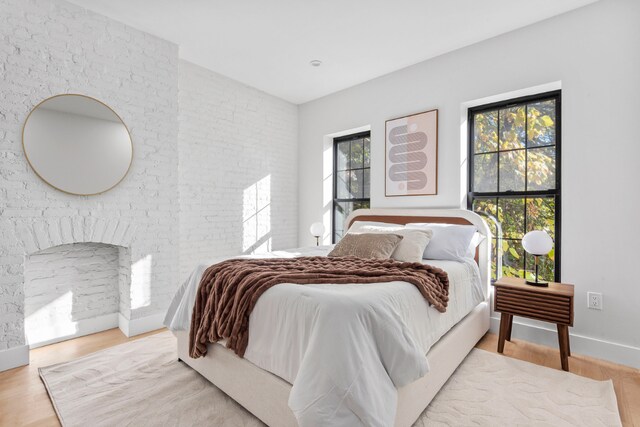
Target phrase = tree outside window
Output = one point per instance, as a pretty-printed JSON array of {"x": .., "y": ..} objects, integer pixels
[
  {"x": 351, "y": 178},
  {"x": 514, "y": 178}
]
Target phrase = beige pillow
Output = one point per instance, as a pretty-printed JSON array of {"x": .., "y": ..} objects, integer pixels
[
  {"x": 366, "y": 245},
  {"x": 411, "y": 247}
]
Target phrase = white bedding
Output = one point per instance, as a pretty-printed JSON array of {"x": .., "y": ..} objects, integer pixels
[{"x": 345, "y": 349}]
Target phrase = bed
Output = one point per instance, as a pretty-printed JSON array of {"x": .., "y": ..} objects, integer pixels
[{"x": 262, "y": 380}]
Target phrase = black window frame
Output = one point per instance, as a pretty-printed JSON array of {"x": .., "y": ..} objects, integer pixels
[
  {"x": 336, "y": 141},
  {"x": 555, "y": 193}
]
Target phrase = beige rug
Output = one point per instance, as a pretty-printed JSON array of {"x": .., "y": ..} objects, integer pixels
[{"x": 141, "y": 383}]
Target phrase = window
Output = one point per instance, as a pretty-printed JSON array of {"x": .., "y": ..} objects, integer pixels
[
  {"x": 514, "y": 178},
  {"x": 351, "y": 178}
]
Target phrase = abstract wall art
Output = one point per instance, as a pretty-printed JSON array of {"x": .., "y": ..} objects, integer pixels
[{"x": 411, "y": 155}]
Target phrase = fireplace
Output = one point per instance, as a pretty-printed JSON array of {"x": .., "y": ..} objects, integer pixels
[{"x": 71, "y": 290}]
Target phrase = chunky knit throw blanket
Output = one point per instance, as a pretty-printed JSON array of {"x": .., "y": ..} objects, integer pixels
[{"x": 228, "y": 291}]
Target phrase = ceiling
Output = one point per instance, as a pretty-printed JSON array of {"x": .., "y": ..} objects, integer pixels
[{"x": 268, "y": 44}]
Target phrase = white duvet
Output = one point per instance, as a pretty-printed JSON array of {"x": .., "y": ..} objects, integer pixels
[{"x": 344, "y": 348}]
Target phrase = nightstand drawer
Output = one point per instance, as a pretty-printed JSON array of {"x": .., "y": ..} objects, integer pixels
[{"x": 520, "y": 302}]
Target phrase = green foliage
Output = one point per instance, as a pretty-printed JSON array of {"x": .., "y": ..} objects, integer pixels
[
  {"x": 514, "y": 150},
  {"x": 509, "y": 214},
  {"x": 527, "y": 160}
]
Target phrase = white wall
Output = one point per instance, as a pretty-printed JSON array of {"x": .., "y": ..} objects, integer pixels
[
  {"x": 51, "y": 47},
  {"x": 594, "y": 52},
  {"x": 238, "y": 152},
  {"x": 233, "y": 149}
]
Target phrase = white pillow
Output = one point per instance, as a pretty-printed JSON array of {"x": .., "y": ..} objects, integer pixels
[
  {"x": 475, "y": 241},
  {"x": 357, "y": 225},
  {"x": 449, "y": 241},
  {"x": 411, "y": 247}
]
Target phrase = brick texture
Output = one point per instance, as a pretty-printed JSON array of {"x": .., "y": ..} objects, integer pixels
[
  {"x": 50, "y": 47},
  {"x": 70, "y": 283},
  {"x": 238, "y": 168},
  {"x": 214, "y": 169}
]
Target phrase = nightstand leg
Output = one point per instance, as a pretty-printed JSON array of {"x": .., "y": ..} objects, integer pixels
[
  {"x": 509, "y": 328},
  {"x": 563, "y": 341},
  {"x": 505, "y": 319}
]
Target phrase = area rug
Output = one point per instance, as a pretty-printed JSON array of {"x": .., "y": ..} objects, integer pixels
[{"x": 141, "y": 383}]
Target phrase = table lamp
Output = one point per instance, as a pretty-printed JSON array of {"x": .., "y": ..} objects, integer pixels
[
  {"x": 317, "y": 230},
  {"x": 537, "y": 243}
]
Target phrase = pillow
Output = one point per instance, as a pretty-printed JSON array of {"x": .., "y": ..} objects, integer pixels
[
  {"x": 449, "y": 241},
  {"x": 357, "y": 225},
  {"x": 366, "y": 245},
  {"x": 475, "y": 241},
  {"x": 411, "y": 247}
]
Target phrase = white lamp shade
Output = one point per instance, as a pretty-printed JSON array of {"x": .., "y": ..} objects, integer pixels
[
  {"x": 317, "y": 229},
  {"x": 537, "y": 242}
]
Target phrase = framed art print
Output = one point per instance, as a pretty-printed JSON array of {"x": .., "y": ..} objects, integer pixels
[{"x": 411, "y": 155}]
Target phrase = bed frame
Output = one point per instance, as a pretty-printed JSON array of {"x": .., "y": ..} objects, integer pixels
[{"x": 266, "y": 395}]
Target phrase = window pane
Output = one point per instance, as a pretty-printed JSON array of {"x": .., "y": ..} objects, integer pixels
[
  {"x": 546, "y": 267},
  {"x": 541, "y": 214},
  {"x": 512, "y": 170},
  {"x": 357, "y": 185},
  {"x": 541, "y": 168},
  {"x": 485, "y": 132},
  {"x": 487, "y": 208},
  {"x": 351, "y": 180},
  {"x": 541, "y": 126},
  {"x": 361, "y": 205},
  {"x": 341, "y": 212},
  {"x": 367, "y": 152},
  {"x": 512, "y": 258},
  {"x": 526, "y": 137},
  {"x": 512, "y": 123},
  {"x": 511, "y": 217},
  {"x": 343, "y": 155},
  {"x": 485, "y": 172},
  {"x": 367, "y": 183},
  {"x": 342, "y": 185},
  {"x": 356, "y": 154}
]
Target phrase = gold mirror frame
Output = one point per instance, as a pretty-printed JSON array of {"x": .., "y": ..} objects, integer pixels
[{"x": 93, "y": 99}]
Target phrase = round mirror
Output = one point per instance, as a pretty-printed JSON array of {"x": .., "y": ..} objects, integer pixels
[{"x": 77, "y": 144}]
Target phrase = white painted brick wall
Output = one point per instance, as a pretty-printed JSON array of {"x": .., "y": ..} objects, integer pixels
[
  {"x": 48, "y": 47},
  {"x": 232, "y": 148},
  {"x": 89, "y": 272},
  {"x": 238, "y": 168}
]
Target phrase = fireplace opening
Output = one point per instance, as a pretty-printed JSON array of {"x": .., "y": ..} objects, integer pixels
[{"x": 71, "y": 290}]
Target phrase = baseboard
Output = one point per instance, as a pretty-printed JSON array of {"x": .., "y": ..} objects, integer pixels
[
  {"x": 606, "y": 350},
  {"x": 14, "y": 357},
  {"x": 133, "y": 327},
  {"x": 83, "y": 327}
]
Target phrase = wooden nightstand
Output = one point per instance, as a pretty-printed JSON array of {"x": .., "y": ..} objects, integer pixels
[{"x": 513, "y": 297}]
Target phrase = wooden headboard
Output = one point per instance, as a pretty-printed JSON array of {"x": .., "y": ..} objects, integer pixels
[
  {"x": 441, "y": 216},
  {"x": 399, "y": 219}
]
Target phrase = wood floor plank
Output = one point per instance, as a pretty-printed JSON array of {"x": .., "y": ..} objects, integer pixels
[{"x": 24, "y": 400}]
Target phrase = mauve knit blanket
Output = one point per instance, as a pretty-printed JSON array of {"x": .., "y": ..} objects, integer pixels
[{"x": 229, "y": 290}]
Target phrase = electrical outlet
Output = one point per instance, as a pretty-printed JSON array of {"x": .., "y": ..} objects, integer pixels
[{"x": 594, "y": 300}]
